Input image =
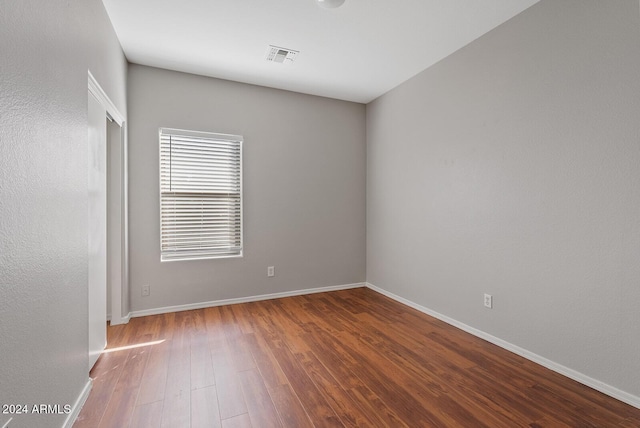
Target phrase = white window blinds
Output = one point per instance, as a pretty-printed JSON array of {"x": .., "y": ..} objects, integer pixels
[{"x": 200, "y": 195}]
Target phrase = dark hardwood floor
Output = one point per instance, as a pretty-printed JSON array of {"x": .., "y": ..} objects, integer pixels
[{"x": 345, "y": 358}]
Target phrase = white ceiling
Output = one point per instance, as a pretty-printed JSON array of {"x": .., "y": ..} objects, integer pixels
[{"x": 356, "y": 52}]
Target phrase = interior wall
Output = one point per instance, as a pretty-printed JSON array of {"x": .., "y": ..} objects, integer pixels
[
  {"x": 511, "y": 168},
  {"x": 303, "y": 188},
  {"x": 47, "y": 48},
  {"x": 114, "y": 222}
]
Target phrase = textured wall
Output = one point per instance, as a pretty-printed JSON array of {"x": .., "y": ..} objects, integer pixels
[
  {"x": 512, "y": 168},
  {"x": 304, "y": 188},
  {"x": 46, "y": 49}
]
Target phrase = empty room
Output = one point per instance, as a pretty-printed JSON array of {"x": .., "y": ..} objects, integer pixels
[{"x": 306, "y": 213}]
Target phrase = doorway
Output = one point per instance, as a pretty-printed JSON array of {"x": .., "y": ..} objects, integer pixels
[{"x": 107, "y": 218}]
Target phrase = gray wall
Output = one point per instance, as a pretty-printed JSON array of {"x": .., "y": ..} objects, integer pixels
[
  {"x": 513, "y": 168},
  {"x": 304, "y": 188},
  {"x": 46, "y": 48}
]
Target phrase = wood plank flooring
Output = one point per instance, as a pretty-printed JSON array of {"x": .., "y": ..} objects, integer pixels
[{"x": 345, "y": 358}]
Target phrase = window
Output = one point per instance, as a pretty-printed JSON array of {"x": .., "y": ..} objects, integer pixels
[{"x": 200, "y": 195}]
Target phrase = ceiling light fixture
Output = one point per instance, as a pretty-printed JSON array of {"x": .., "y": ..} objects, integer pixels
[{"x": 330, "y": 4}]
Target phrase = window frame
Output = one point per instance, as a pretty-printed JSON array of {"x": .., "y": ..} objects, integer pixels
[{"x": 229, "y": 138}]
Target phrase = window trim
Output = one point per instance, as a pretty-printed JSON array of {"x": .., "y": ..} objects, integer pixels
[{"x": 212, "y": 136}]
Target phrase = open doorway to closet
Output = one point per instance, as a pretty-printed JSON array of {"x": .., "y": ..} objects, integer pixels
[{"x": 108, "y": 290}]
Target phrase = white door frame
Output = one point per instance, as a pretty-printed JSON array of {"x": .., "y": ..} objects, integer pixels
[{"x": 119, "y": 285}]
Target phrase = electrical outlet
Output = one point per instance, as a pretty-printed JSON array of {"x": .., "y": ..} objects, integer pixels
[
  {"x": 145, "y": 290},
  {"x": 488, "y": 301},
  {"x": 271, "y": 271}
]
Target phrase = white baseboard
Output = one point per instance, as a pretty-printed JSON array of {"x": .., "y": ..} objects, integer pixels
[
  {"x": 200, "y": 305},
  {"x": 123, "y": 320},
  {"x": 558, "y": 368},
  {"x": 77, "y": 406}
]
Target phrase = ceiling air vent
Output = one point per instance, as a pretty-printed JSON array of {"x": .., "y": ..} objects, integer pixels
[{"x": 281, "y": 55}]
